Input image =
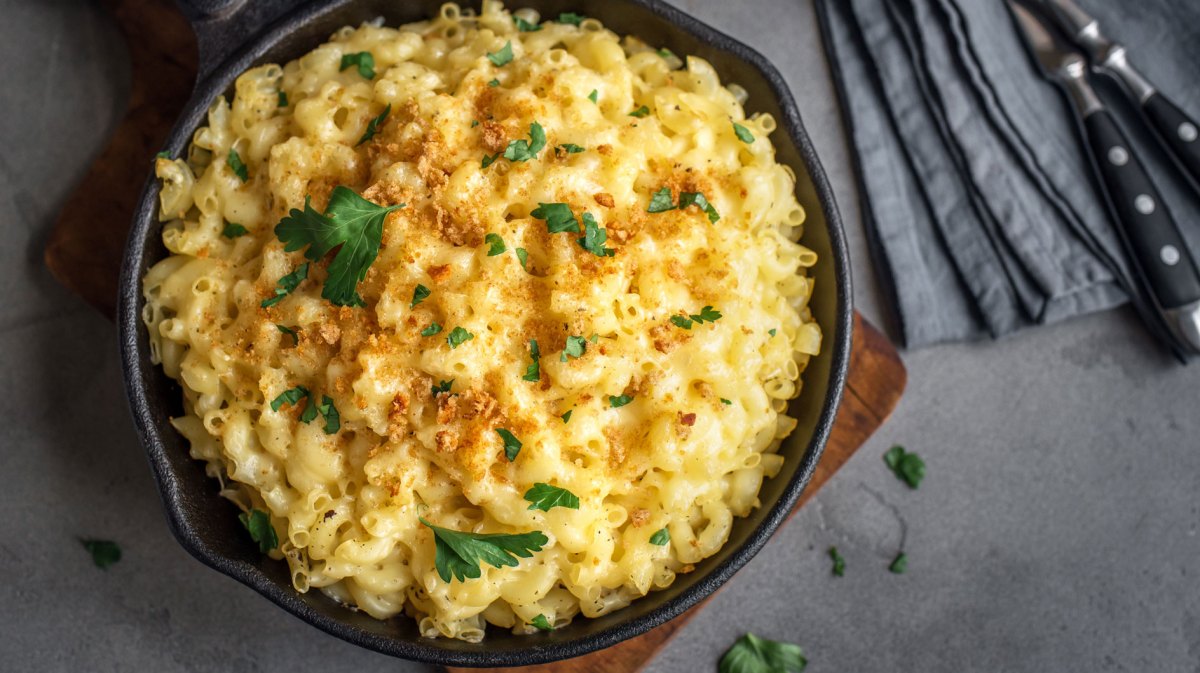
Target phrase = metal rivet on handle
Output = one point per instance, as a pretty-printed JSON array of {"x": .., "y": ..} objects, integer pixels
[
  {"x": 1169, "y": 254},
  {"x": 1118, "y": 156},
  {"x": 1188, "y": 132},
  {"x": 1144, "y": 204}
]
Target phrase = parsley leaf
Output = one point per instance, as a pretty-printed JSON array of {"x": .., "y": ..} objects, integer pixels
[
  {"x": 503, "y": 56},
  {"x": 640, "y": 112},
  {"x": 617, "y": 401},
  {"x": 512, "y": 445},
  {"x": 726, "y": 402},
  {"x": 287, "y": 285},
  {"x": 374, "y": 124},
  {"x": 900, "y": 564},
  {"x": 363, "y": 59},
  {"x": 751, "y": 654},
  {"x": 576, "y": 347},
  {"x": 494, "y": 82},
  {"x": 458, "y": 336},
  {"x": 258, "y": 523},
  {"x": 290, "y": 332},
  {"x": 283, "y": 100},
  {"x": 908, "y": 467},
  {"x": 666, "y": 53},
  {"x": 433, "y": 328},
  {"x": 743, "y": 134},
  {"x": 542, "y": 623},
  {"x": 460, "y": 554},
  {"x": 682, "y": 321},
  {"x": 291, "y": 396},
  {"x": 772, "y": 331},
  {"x": 234, "y": 161},
  {"x": 351, "y": 222},
  {"x": 310, "y": 411},
  {"x": 594, "y": 95},
  {"x": 524, "y": 150},
  {"x": 839, "y": 563},
  {"x": 567, "y": 416},
  {"x": 442, "y": 387},
  {"x": 697, "y": 199},
  {"x": 163, "y": 155},
  {"x": 333, "y": 420},
  {"x": 524, "y": 26},
  {"x": 570, "y": 148},
  {"x": 546, "y": 497},
  {"x": 661, "y": 537},
  {"x": 497, "y": 243},
  {"x": 594, "y": 237},
  {"x": 558, "y": 217},
  {"x": 104, "y": 552},
  {"x": 474, "y": 123},
  {"x": 523, "y": 256},
  {"x": 534, "y": 371},
  {"x": 420, "y": 294},
  {"x": 489, "y": 159},
  {"x": 660, "y": 201},
  {"x": 234, "y": 230},
  {"x": 571, "y": 18},
  {"x": 707, "y": 314}
]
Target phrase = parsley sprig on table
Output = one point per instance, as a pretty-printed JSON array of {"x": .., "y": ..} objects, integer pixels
[
  {"x": 908, "y": 467},
  {"x": 751, "y": 654},
  {"x": 104, "y": 552},
  {"x": 546, "y": 497},
  {"x": 839, "y": 563},
  {"x": 351, "y": 224},
  {"x": 459, "y": 555}
]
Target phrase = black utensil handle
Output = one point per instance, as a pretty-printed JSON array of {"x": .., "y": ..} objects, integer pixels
[
  {"x": 1149, "y": 228},
  {"x": 1180, "y": 132},
  {"x": 223, "y": 27}
]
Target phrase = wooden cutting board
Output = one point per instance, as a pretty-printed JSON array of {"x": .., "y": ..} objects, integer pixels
[{"x": 84, "y": 253}]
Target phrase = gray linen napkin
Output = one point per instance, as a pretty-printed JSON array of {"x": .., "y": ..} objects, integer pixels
[{"x": 981, "y": 205}]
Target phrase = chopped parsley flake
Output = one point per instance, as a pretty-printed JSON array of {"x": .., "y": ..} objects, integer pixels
[
  {"x": 291, "y": 396},
  {"x": 666, "y": 53},
  {"x": 546, "y": 497},
  {"x": 258, "y": 523},
  {"x": 558, "y": 217},
  {"x": 523, "y": 256},
  {"x": 640, "y": 112},
  {"x": 286, "y": 285},
  {"x": 542, "y": 623},
  {"x": 104, "y": 552},
  {"x": 351, "y": 224},
  {"x": 534, "y": 371},
  {"x": 458, "y": 336},
  {"x": 571, "y": 18},
  {"x": 163, "y": 155},
  {"x": 900, "y": 564},
  {"x": 502, "y": 57},
  {"x": 459, "y": 554},
  {"x": 751, "y": 654},
  {"x": 333, "y": 420},
  {"x": 682, "y": 321},
  {"x": 660, "y": 537},
  {"x": 707, "y": 314},
  {"x": 494, "y": 82},
  {"x": 433, "y": 328},
  {"x": 474, "y": 123},
  {"x": 442, "y": 387},
  {"x": 908, "y": 467},
  {"x": 576, "y": 347},
  {"x": 839, "y": 563},
  {"x": 294, "y": 333},
  {"x": 566, "y": 418},
  {"x": 743, "y": 134},
  {"x": 697, "y": 199},
  {"x": 524, "y": 26},
  {"x": 234, "y": 161},
  {"x": 310, "y": 411},
  {"x": 594, "y": 95},
  {"x": 660, "y": 201},
  {"x": 496, "y": 243},
  {"x": 524, "y": 150},
  {"x": 617, "y": 401},
  {"x": 570, "y": 148},
  {"x": 420, "y": 294},
  {"x": 726, "y": 402},
  {"x": 374, "y": 124},
  {"x": 363, "y": 59},
  {"x": 594, "y": 237},
  {"x": 234, "y": 230},
  {"x": 489, "y": 159},
  {"x": 512, "y": 445},
  {"x": 772, "y": 331},
  {"x": 283, "y": 100}
]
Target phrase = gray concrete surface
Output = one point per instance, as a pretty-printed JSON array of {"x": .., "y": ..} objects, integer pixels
[{"x": 1056, "y": 530}]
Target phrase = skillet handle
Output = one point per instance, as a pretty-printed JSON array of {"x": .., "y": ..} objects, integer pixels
[{"x": 223, "y": 27}]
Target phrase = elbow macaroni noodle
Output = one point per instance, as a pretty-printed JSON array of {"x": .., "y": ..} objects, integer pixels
[{"x": 688, "y": 454}]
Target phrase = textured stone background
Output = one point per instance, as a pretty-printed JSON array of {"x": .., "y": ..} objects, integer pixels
[{"x": 1056, "y": 530}]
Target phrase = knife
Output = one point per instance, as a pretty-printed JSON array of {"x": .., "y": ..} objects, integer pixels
[
  {"x": 1178, "y": 132},
  {"x": 1148, "y": 229}
]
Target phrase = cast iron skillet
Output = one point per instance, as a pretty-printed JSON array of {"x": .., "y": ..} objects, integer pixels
[{"x": 230, "y": 42}]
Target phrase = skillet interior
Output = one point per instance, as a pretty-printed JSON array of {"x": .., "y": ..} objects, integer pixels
[{"x": 206, "y": 525}]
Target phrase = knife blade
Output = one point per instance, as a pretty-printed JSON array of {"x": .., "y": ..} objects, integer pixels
[
  {"x": 1178, "y": 132},
  {"x": 1148, "y": 230}
]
